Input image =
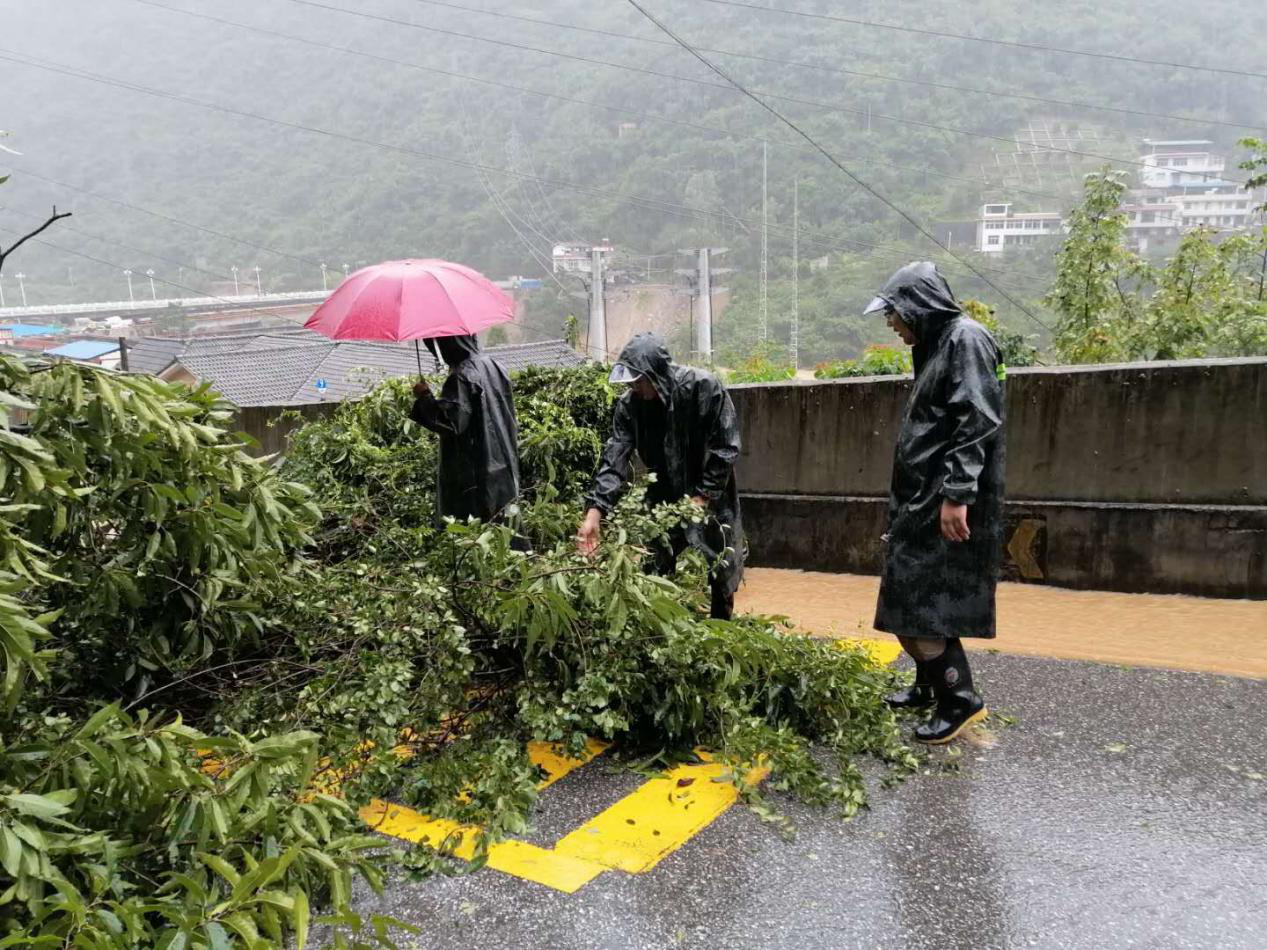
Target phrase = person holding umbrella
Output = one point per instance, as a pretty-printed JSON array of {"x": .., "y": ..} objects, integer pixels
[
  {"x": 683, "y": 426},
  {"x": 446, "y": 305},
  {"x": 474, "y": 416},
  {"x": 946, "y": 502}
]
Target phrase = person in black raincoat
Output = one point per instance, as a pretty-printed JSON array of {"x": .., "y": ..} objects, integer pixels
[
  {"x": 946, "y": 503},
  {"x": 683, "y": 426},
  {"x": 474, "y": 415}
]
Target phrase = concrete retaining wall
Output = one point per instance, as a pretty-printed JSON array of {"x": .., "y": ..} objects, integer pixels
[{"x": 1141, "y": 477}]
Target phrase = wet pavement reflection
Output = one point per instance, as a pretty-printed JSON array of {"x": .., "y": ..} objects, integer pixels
[{"x": 1123, "y": 809}]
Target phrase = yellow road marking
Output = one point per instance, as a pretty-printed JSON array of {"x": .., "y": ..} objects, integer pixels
[
  {"x": 883, "y": 652},
  {"x": 559, "y": 871},
  {"x": 662, "y": 815},
  {"x": 633, "y": 835}
]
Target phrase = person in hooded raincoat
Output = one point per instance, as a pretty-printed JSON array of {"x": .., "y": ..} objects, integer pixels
[
  {"x": 946, "y": 502},
  {"x": 474, "y": 416},
  {"x": 682, "y": 424}
]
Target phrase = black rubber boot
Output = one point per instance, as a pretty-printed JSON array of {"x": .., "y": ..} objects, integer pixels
[
  {"x": 918, "y": 694},
  {"x": 958, "y": 705}
]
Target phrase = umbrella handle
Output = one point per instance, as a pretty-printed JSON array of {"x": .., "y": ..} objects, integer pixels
[{"x": 418, "y": 355}]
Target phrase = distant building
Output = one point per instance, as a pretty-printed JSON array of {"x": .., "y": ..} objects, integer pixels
[
  {"x": 1181, "y": 188},
  {"x": 97, "y": 352},
  {"x": 1001, "y": 228},
  {"x": 298, "y": 367},
  {"x": 1171, "y": 163},
  {"x": 575, "y": 258}
]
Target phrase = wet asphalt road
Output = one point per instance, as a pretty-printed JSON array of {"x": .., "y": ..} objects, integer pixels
[{"x": 1125, "y": 808}]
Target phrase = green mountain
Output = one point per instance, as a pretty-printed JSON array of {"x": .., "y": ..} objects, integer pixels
[{"x": 321, "y": 155}]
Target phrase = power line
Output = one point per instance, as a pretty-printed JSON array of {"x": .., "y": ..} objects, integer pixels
[
  {"x": 128, "y": 247},
  {"x": 1037, "y": 47},
  {"x": 158, "y": 214},
  {"x": 1026, "y": 97},
  {"x": 831, "y": 158},
  {"x": 651, "y": 116},
  {"x": 654, "y": 204},
  {"x": 813, "y": 103}
]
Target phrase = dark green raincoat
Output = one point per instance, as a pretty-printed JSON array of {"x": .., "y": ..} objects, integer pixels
[{"x": 950, "y": 446}]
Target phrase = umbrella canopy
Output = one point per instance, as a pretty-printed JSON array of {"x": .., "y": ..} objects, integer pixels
[{"x": 412, "y": 300}]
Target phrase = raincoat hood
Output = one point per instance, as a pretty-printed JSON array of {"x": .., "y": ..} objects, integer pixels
[
  {"x": 923, "y": 299},
  {"x": 648, "y": 355},
  {"x": 453, "y": 349}
]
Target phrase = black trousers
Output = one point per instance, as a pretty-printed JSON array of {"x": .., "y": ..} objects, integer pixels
[{"x": 721, "y": 597}]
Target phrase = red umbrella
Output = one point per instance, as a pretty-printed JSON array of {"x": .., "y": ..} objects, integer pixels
[{"x": 412, "y": 300}]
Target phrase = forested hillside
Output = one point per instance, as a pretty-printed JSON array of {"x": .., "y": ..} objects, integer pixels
[{"x": 428, "y": 142}]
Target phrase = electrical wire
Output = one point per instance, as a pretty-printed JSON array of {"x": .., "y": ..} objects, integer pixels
[
  {"x": 158, "y": 214},
  {"x": 910, "y": 219},
  {"x": 654, "y": 204},
  {"x": 650, "y": 116},
  {"x": 1037, "y": 47},
  {"x": 825, "y": 106},
  {"x": 1025, "y": 97}
]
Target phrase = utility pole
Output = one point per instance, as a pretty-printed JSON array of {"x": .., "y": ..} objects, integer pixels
[
  {"x": 324, "y": 284},
  {"x": 236, "y": 290},
  {"x": 2, "y": 292},
  {"x": 763, "y": 327},
  {"x": 21, "y": 286},
  {"x": 128, "y": 275},
  {"x": 149, "y": 272},
  {"x": 259, "y": 288},
  {"x": 704, "y": 306},
  {"x": 794, "y": 342},
  {"x": 701, "y": 282},
  {"x": 596, "y": 338}
]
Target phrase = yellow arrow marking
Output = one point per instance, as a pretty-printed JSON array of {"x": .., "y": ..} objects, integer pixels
[{"x": 1021, "y": 547}]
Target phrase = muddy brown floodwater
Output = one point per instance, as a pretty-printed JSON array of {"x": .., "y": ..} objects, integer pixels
[{"x": 1174, "y": 632}]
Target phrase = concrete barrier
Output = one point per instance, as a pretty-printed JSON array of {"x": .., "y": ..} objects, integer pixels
[{"x": 1136, "y": 477}]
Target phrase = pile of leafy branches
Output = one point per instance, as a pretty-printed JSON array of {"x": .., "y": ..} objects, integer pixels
[
  {"x": 445, "y": 634},
  {"x": 197, "y": 644},
  {"x": 139, "y": 547}
]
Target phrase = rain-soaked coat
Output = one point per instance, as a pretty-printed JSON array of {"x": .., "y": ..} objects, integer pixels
[
  {"x": 690, "y": 439},
  {"x": 479, "y": 440},
  {"x": 950, "y": 446}
]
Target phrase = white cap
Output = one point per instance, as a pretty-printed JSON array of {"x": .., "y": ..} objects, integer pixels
[
  {"x": 877, "y": 304},
  {"x": 623, "y": 374}
]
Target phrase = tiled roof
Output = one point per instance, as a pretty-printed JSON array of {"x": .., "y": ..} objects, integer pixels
[
  {"x": 153, "y": 354},
  {"x": 258, "y": 378},
  {"x": 267, "y": 371}
]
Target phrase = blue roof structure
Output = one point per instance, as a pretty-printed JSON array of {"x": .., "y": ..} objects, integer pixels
[
  {"x": 83, "y": 349},
  {"x": 31, "y": 329}
]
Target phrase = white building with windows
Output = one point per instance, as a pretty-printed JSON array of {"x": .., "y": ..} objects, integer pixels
[
  {"x": 1181, "y": 188},
  {"x": 576, "y": 258},
  {"x": 1174, "y": 163},
  {"x": 1001, "y": 228}
]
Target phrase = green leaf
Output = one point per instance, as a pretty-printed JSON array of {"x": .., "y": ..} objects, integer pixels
[
  {"x": 301, "y": 916},
  {"x": 97, "y": 720},
  {"x": 221, "y": 867},
  {"x": 37, "y": 806},
  {"x": 217, "y": 937}
]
